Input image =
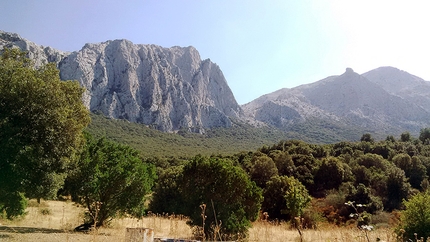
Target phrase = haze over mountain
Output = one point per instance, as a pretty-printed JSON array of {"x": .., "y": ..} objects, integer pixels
[{"x": 172, "y": 89}]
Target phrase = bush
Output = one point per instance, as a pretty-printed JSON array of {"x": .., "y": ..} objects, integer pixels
[
  {"x": 110, "y": 180},
  {"x": 416, "y": 217},
  {"x": 285, "y": 198},
  {"x": 224, "y": 193}
]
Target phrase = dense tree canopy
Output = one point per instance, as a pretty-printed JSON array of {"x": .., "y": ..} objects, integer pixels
[{"x": 41, "y": 123}]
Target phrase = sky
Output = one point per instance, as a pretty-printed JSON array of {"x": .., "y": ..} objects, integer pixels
[{"x": 261, "y": 46}]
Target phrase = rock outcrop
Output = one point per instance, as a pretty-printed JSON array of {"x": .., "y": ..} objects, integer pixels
[
  {"x": 166, "y": 88},
  {"x": 39, "y": 54}
]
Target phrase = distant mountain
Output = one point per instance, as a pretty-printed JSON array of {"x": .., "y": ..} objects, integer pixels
[
  {"x": 172, "y": 89},
  {"x": 402, "y": 84},
  {"x": 166, "y": 88},
  {"x": 385, "y": 100}
]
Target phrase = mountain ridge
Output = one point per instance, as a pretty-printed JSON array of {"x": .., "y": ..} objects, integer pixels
[
  {"x": 173, "y": 89},
  {"x": 354, "y": 99}
]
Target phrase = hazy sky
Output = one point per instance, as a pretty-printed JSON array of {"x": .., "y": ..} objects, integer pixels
[{"x": 261, "y": 46}]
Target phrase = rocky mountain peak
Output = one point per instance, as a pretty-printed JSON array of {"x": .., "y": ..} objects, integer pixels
[
  {"x": 39, "y": 54},
  {"x": 165, "y": 88}
]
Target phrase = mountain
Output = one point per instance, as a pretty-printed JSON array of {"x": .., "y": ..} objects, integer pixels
[
  {"x": 173, "y": 90},
  {"x": 166, "y": 88},
  {"x": 385, "y": 100},
  {"x": 402, "y": 84}
]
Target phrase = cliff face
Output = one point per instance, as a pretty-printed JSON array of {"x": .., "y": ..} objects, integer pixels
[{"x": 166, "y": 88}]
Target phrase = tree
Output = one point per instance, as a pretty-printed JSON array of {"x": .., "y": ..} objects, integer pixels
[
  {"x": 425, "y": 136},
  {"x": 41, "y": 123},
  {"x": 284, "y": 198},
  {"x": 110, "y": 180},
  {"x": 415, "y": 218},
  {"x": 390, "y": 138},
  {"x": 413, "y": 167},
  {"x": 283, "y": 162},
  {"x": 405, "y": 137},
  {"x": 167, "y": 197},
  {"x": 367, "y": 138},
  {"x": 263, "y": 169},
  {"x": 362, "y": 195},
  {"x": 330, "y": 174},
  {"x": 231, "y": 198},
  {"x": 398, "y": 188}
]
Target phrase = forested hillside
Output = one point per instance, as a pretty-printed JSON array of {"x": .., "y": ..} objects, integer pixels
[{"x": 151, "y": 142}]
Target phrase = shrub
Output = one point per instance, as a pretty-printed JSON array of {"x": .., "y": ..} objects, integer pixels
[
  {"x": 110, "y": 180},
  {"x": 415, "y": 219},
  {"x": 224, "y": 193},
  {"x": 285, "y": 198}
]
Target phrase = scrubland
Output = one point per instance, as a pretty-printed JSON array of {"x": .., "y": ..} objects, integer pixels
[{"x": 55, "y": 221}]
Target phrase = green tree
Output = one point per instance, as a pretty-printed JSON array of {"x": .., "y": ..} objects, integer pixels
[
  {"x": 167, "y": 197},
  {"x": 284, "y": 198},
  {"x": 297, "y": 199},
  {"x": 416, "y": 217},
  {"x": 226, "y": 190},
  {"x": 305, "y": 169},
  {"x": 425, "y": 136},
  {"x": 390, "y": 138},
  {"x": 110, "y": 180},
  {"x": 367, "y": 138},
  {"x": 262, "y": 170},
  {"x": 398, "y": 188},
  {"x": 413, "y": 167},
  {"x": 405, "y": 137},
  {"x": 330, "y": 174},
  {"x": 283, "y": 162},
  {"x": 41, "y": 123}
]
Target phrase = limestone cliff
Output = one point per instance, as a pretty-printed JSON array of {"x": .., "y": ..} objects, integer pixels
[{"x": 166, "y": 88}]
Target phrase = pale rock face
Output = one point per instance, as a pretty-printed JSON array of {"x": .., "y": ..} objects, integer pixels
[
  {"x": 166, "y": 88},
  {"x": 39, "y": 54}
]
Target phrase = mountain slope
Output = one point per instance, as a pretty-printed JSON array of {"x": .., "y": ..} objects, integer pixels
[
  {"x": 402, "y": 84},
  {"x": 349, "y": 100}
]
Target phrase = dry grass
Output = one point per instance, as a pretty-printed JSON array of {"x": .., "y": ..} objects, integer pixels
[
  {"x": 55, "y": 221},
  {"x": 265, "y": 231}
]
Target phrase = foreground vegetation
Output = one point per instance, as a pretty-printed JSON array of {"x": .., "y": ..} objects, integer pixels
[{"x": 53, "y": 221}]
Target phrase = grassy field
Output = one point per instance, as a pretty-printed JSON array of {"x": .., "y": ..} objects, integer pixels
[{"x": 55, "y": 221}]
